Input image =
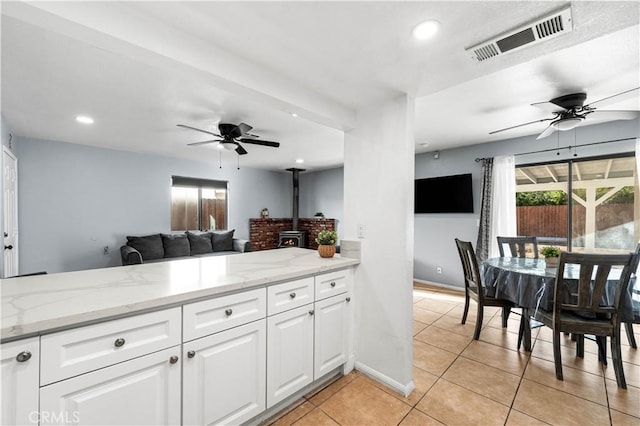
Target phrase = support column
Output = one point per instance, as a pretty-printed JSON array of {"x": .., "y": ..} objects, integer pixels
[{"x": 379, "y": 165}]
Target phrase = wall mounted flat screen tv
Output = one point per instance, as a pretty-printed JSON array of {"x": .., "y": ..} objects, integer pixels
[{"x": 445, "y": 194}]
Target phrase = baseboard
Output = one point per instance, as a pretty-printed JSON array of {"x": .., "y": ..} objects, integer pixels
[
  {"x": 441, "y": 285},
  {"x": 403, "y": 390}
]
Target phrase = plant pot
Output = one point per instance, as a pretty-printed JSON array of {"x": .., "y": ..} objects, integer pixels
[
  {"x": 326, "y": 250},
  {"x": 552, "y": 262}
]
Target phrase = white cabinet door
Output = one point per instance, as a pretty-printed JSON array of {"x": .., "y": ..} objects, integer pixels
[
  {"x": 289, "y": 353},
  {"x": 331, "y": 333},
  {"x": 20, "y": 381},
  {"x": 224, "y": 376},
  {"x": 142, "y": 391}
]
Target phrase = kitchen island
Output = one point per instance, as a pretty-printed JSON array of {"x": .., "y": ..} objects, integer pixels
[{"x": 167, "y": 343}]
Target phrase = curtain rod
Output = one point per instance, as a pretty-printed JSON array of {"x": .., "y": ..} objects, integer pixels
[{"x": 569, "y": 147}]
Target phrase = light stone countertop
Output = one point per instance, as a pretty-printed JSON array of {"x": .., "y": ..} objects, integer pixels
[{"x": 42, "y": 304}]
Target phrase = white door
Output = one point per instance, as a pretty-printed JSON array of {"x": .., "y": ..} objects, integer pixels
[
  {"x": 331, "y": 333},
  {"x": 20, "y": 382},
  {"x": 10, "y": 213},
  {"x": 289, "y": 353},
  {"x": 142, "y": 391},
  {"x": 224, "y": 376}
]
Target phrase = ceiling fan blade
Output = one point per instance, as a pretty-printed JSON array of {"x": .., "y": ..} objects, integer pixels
[
  {"x": 550, "y": 129},
  {"x": 240, "y": 150},
  {"x": 548, "y": 107},
  {"x": 203, "y": 142},
  {"x": 257, "y": 142},
  {"x": 244, "y": 128},
  {"x": 198, "y": 130},
  {"x": 610, "y": 115},
  {"x": 627, "y": 94},
  {"x": 520, "y": 125}
]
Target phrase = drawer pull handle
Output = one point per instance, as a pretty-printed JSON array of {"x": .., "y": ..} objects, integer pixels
[
  {"x": 119, "y": 342},
  {"x": 292, "y": 295},
  {"x": 23, "y": 356},
  {"x": 191, "y": 354},
  {"x": 311, "y": 312},
  {"x": 173, "y": 359},
  {"x": 333, "y": 283},
  {"x": 228, "y": 312},
  {"x": 348, "y": 299}
]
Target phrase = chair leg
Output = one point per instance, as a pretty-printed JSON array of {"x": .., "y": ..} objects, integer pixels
[
  {"x": 579, "y": 338},
  {"x": 476, "y": 334},
  {"x": 617, "y": 358},
  {"x": 602, "y": 349},
  {"x": 524, "y": 332},
  {"x": 630, "y": 336},
  {"x": 466, "y": 307},
  {"x": 557, "y": 357},
  {"x": 505, "y": 316}
]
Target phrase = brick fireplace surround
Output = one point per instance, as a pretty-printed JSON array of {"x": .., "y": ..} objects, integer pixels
[{"x": 264, "y": 233}]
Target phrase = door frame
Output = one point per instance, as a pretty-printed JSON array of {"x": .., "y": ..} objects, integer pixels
[{"x": 6, "y": 151}]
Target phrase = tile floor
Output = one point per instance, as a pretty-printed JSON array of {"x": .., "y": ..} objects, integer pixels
[{"x": 460, "y": 381}]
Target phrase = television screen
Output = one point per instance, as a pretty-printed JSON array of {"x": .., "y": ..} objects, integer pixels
[{"x": 445, "y": 194}]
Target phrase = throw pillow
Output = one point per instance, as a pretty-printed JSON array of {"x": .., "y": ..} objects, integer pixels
[
  {"x": 222, "y": 240},
  {"x": 149, "y": 246},
  {"x": 200, "y": 243},
  {"x": 176, "y": 245}
]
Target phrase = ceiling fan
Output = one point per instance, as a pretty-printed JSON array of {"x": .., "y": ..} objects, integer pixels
[
  {"x": 231, "y": 135},
  {"x": 569, "y": 112}
]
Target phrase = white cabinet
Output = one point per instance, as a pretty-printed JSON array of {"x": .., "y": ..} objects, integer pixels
[
  {"x": 20, "y": 376},
  {"x": 289, "y": 353},
  {"x": 331, "y": 333},
  {"x": 142, "y": 391},
  {"x": 224, "y": 376}
]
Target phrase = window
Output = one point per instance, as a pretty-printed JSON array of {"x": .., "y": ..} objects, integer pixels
[
  {"x": 198, "y": 204},
  {"x": 598, "y": 216}
]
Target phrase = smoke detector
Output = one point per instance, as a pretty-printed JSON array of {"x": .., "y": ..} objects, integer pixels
[{"x": 543, "y": 29}]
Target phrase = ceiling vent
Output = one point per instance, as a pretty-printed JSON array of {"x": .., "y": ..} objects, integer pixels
[{"x": 536, "y": 32}]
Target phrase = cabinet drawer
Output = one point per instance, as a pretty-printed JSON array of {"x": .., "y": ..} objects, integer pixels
[
  {"x": 332, "y": 283},
  {"x": 212, "y": 316},
  {"x": 77, "y": 351},
  {"x": 289, "y": 295}
]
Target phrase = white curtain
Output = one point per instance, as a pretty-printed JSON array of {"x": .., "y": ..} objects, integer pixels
[{"x": 503, "y": 202}]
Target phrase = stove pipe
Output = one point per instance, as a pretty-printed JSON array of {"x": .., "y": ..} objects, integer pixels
[{"x": 296, "y": 195}]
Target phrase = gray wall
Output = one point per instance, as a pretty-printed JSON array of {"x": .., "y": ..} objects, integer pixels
[
  {"x": 74, "y": 200},
  {"x": 323, "y": 191},
  {"x": 435, "y": 233}
]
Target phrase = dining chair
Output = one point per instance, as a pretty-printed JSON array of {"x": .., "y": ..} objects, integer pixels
[
  {"x": 518, "y": 246},
  {"x": 584, "y": 309},
  {"x": 474, "y": 289}
]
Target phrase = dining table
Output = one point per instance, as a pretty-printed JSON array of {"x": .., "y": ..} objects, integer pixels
[{"x": 530, "y": 284}]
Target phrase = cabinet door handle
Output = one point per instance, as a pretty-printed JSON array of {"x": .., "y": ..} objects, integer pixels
[
  {"x": 348, "y": 299},
  {"x": 173, "y": 359},
  {"x": 311, "y": 312},
  {"x": 191, "y": 354},
  {"x": 119, "y": 342},
  {"x": 23, "y": 356},
  {"x": 333, "y": 284},
  {"x": 228, "y": 312},
  {"x": 292, "y": 295}
]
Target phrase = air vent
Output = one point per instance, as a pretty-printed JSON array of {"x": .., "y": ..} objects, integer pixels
[{"x": 536, "y": 32}]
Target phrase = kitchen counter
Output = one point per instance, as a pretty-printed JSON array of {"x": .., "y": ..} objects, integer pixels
[{"x": 42, "y": 304}]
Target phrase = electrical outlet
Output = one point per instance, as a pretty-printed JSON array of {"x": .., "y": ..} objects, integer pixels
[
  {"x": 105, "y": 250},
  {"x": 439, "y": 269},
  {"x": 360, "y": 231}
]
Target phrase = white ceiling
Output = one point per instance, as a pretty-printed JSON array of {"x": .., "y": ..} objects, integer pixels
[{"x": 140, "y": 68}]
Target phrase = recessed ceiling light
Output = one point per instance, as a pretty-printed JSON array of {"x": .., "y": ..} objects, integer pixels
[
  {"x": 425, "y": 30},
  {"x": 293, "y": 114},
  {"x": 84, "y": 119},
  {"x": 299, "y": 161},
  {"x": 424, "y": 144}
]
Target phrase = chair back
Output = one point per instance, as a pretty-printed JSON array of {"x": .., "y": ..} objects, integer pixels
[
  {"x": 472, "y": 280},
  {"x": 518, "y": 246},
  {"x": 591, "y": 295}
]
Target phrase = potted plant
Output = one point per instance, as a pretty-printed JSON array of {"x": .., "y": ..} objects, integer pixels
[
  {"x": 551, "y": 254},
  {"x": 327, "y": 243}
]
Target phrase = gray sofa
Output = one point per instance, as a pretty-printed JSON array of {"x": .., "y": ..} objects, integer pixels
[{"x": 161, "y": 247}]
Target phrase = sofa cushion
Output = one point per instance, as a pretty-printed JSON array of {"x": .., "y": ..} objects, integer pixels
[
  {"x": 200, "y": 243},
  {"x": 176, "y": 245},
  {"x": 222, "y": 240},
  {"x": 149, "y": 246}
]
